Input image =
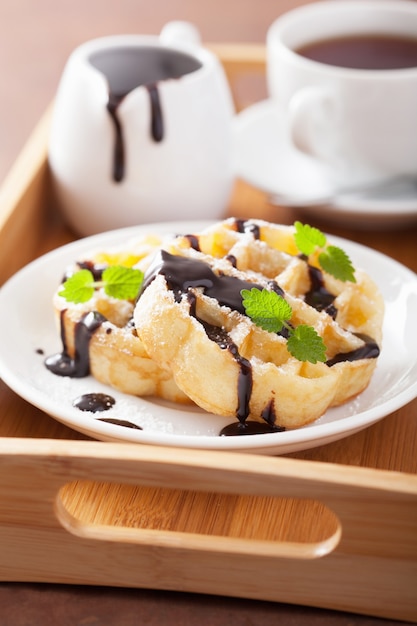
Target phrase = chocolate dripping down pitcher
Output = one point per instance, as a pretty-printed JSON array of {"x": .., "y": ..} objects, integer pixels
[{"x": 142, "y": 132}]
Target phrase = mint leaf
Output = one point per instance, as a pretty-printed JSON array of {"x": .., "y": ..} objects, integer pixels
[
  {"x": 266, "y": 309},
  {"x": 122, "y": 282},
  {"x": 308, "y": 238},
  {"x": 271, "y": 312},
  {"x": 79, "y": 287},
  {"x": 118, "y": 282},
  {"x": 305, "y": 344},
  {"x": 332, "y": 259},
  {"x": 336, "y": 262}
]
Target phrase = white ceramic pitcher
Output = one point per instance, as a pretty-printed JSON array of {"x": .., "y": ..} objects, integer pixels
[{"x": 141, "y": 131}]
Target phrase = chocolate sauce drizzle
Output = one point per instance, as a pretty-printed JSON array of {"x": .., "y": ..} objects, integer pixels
[
  {"x": 369, "y": 350},
  {"x": 318, "y": 296},
  {"x": 157, "y": 127},
  {"x": 96, "y": 269},
  {"x": 194, "y": 242},
  {"x": 245, "y": 226},
  {"x": 113, "y": 104},
  {"x": 182, "y": 274},
  {"x": 245, "y": 381},
  {"x": 157, "y": 120},
  {"x": 249, "y": 427},
  {"x": 126, "y": 68},
  {"x": 232, "y": 260},
  {"x": 62, "y": 364}
]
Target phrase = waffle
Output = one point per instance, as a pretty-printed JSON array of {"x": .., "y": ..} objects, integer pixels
[
  {"x": 99, "y": 337},
  {"x": 191, "y": 322}
]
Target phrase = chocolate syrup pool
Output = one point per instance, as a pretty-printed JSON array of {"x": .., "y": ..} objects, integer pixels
[{"x": 128, "y": 67}]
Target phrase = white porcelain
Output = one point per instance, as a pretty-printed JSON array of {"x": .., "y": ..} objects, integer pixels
[
  {"x": 185, "y": 175},
  {"x": 265, "y": 156},
  {"x": 26, "y": 329},
  {"x": 363, "y": 123}
]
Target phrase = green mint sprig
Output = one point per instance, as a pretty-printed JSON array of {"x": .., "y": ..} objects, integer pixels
[
  {"x": 117, "y": 281},
  {"x": 270, "y": 311},
  {"x": 332, "y": 259}
]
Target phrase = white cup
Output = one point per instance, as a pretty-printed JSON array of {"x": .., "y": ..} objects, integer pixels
[
  {"x": 361, "y": 123},
  {"x": 141, "y": 131}
]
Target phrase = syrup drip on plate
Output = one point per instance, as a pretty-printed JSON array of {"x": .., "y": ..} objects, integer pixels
[
  {"x": 119, "y": 422},
  {"x": 94, "y": 402},
  {"x": 249, "y": 427}
]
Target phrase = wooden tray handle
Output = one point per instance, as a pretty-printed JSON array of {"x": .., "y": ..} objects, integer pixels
[{"x": 369, "y": 565}]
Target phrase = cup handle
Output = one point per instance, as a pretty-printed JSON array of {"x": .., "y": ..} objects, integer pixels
[
  {"x": 180, "y": 34},
  {"x": 312, "y": 114}
]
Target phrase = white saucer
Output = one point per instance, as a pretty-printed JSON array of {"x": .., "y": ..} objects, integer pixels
[{"x": 265, "y": 157}]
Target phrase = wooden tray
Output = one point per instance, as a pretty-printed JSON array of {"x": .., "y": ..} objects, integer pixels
[{"x": 334, "y": 527}]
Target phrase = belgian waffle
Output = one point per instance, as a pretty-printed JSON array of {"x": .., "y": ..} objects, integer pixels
[
  {"x": 99, "y": 337},
  {"x": 191, "y": 322}
]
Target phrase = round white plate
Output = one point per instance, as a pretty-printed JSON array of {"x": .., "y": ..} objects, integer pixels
[
  {"x": 265, "y": 157},
  {"x": 27, "y": 327}
]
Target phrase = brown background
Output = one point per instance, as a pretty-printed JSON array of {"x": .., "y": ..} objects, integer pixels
[{"x": 36, "y": 38}]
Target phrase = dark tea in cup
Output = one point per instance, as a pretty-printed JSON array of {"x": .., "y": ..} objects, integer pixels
[{"x": 364, "y": 51}]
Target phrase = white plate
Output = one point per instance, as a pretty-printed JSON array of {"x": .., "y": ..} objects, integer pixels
[
  {"x": 265, "y": 157},
  {"x": 27, "y": 326}
]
